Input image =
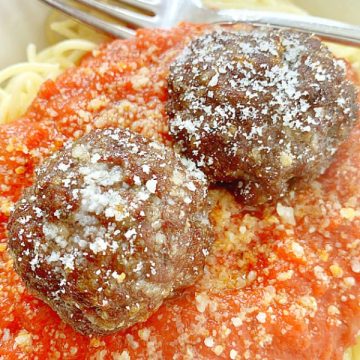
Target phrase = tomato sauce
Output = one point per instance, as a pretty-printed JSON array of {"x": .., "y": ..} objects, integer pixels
[{"x": 282, "y": 281}]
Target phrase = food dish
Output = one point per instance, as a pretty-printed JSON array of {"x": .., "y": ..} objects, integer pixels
[
  {"x": 113, "y": 225},
  {"x": 208, "y": 320},
  {"x": 254, "y": 109}
]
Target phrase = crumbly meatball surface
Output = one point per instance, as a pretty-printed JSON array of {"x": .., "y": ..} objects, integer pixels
[
  {"x": 263, "y": 110},
  {"x": 112, "y": 226}
]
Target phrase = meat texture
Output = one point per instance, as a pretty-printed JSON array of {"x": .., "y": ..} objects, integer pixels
[
  {"x": 262, "y": 110},
  {"x": 113, "y": 225}
]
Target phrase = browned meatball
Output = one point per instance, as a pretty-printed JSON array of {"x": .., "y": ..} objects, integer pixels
[
  {"x": 261, "y": 109},
  {"x": 113, "y": 225}
]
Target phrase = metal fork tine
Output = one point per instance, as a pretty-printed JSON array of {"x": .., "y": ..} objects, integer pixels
[
  {"x": 142, "y": 4},
  {"x": 111, "y": 29},
  {"x": 120, "y": 13}
]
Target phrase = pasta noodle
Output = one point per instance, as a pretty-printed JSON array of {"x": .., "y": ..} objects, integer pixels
[
  {"x": 20, "y": 83},
  {"x": 69, "y": 41}
]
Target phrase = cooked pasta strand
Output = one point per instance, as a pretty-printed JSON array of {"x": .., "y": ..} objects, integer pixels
[{"x": 19, "y": 83}]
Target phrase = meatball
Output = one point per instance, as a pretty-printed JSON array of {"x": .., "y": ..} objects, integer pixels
[
  {"x": 113, "y": 225},
  {"x": 262, "y": 110}
]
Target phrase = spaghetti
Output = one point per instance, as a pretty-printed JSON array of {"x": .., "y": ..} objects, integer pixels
[{"x": 21, "y": 82}]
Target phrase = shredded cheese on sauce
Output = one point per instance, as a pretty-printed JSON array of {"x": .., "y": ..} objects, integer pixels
[{"x": 19, "y": 84}]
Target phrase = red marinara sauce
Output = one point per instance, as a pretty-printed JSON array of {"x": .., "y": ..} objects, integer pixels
[{"x": 282, "y": 281}]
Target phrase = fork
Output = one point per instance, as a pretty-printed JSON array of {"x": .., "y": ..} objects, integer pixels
[{"x": 167, "y": 13}]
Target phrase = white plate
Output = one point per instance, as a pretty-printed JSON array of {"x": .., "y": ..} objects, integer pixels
[{"x": 22, "y": 22}]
